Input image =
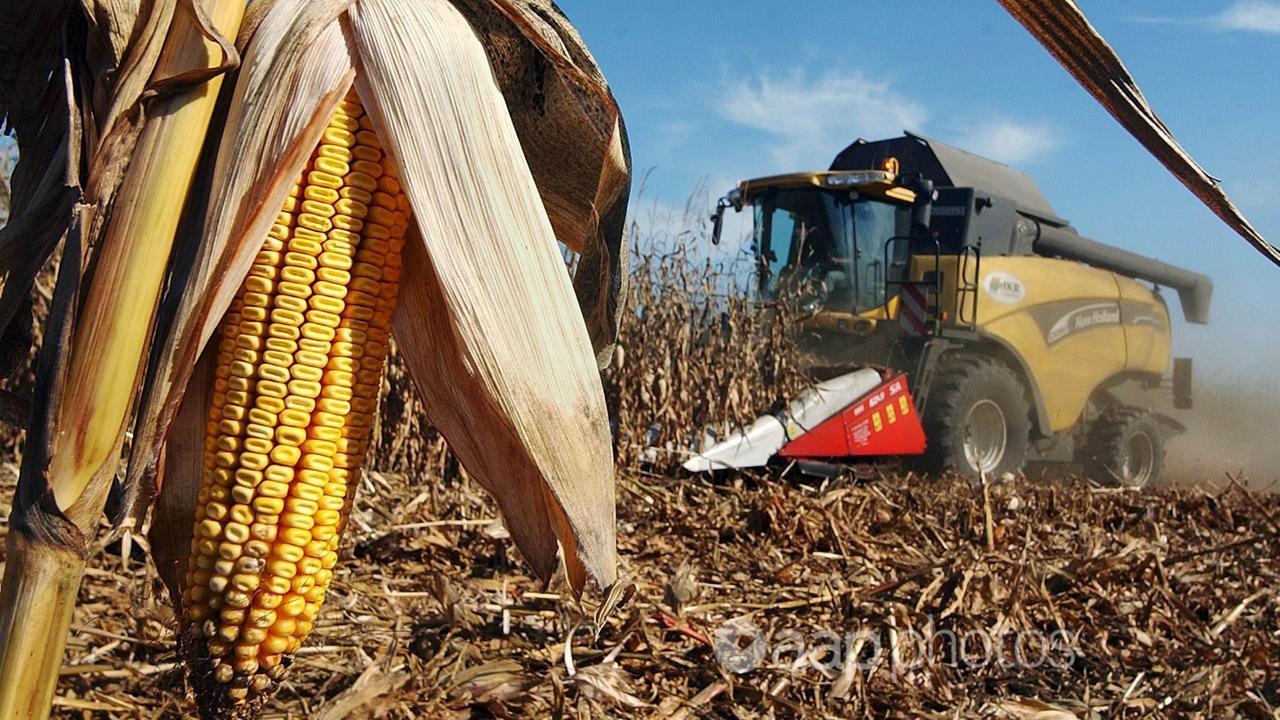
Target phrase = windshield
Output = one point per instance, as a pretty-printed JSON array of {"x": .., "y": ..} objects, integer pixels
[{"x": 824, "y": 247}]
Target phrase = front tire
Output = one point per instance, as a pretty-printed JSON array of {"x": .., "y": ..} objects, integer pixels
[
  {"x": 978, "y": 420},
  {"x": 1125, "y": 447}
]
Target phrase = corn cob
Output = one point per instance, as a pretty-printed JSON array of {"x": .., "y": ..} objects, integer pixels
[{"x": 300, "y": 360}]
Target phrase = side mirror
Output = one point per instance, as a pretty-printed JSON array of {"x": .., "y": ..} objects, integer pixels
[
  {"x": 717, "y": 218},
  {"x": 922, "y": 210},
  {"x": 717, "y": 221}
]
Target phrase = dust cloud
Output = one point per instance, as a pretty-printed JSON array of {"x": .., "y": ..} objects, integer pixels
[{"x": 1231, "y": 428}]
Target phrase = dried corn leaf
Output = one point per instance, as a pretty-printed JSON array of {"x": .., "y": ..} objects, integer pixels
[
  {"x": 32, "y": 90},
  {"x": 112, "y": 24},
  {"x": 33, "y": 107},
  {"x": 295, "y": 71},
  {"x": 1064, "y": 31},
  {"x": 574, "y": 140}
]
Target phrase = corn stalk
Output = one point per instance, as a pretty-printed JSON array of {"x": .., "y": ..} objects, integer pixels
[
  {"x": 722, "y": 361},
  {"x": 114, "y": 264}
]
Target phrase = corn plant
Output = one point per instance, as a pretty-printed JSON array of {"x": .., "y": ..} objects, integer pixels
[{"x": 249, "y": 202}]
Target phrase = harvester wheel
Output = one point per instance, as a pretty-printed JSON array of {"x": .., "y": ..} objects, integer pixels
[
  {"x": 1125, "y": 447},
  {"x": 978, "y": 420}
]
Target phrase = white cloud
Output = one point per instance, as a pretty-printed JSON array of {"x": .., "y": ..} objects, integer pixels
[
  {"x": 1250, "y": 16},
  {"x": 1009, "y": 141},
  {"x": 1261, "y": 16},
  {"x": 813, "y": 119}
]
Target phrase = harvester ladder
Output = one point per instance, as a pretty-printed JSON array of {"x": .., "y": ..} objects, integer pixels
[
  {"x": 930, "y": 359},
  {"x": 967, "y": 286}
]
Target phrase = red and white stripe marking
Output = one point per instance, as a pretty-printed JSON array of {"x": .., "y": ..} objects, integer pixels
[{"x": 912, "y": 314}]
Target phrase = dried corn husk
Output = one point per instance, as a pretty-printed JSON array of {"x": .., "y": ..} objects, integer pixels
[
  {"x": 575, "y": 141},
  {"x": 492, "y": 339}
]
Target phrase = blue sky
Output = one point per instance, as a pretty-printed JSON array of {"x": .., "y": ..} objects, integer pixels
[{"x": 716, "y": 91}]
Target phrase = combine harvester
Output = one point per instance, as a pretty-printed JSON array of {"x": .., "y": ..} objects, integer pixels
[{"x": 1020, "y": 336}]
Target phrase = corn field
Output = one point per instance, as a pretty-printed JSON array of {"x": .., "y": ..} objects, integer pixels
[{"x": 720, "y": 363}]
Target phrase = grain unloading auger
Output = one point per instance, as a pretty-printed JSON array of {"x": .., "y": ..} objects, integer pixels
[{"x": 1024, "y": 341}]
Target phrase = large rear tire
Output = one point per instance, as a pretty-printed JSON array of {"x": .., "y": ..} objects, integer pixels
[
  {"x": 978, "y": 420},
  {"x": 1125, "y": 447}
]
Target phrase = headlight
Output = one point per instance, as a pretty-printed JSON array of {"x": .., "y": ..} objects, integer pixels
[
  {"x": 734, "y": 198},
  {"x": 857, "y": 178}
]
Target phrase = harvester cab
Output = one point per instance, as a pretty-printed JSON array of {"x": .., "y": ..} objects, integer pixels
[
  {"x": 1022, "y": 340},
  {"x": 819, "y": 239}
]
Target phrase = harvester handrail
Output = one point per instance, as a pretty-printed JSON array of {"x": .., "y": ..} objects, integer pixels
[{"x": 890, "y": 283}]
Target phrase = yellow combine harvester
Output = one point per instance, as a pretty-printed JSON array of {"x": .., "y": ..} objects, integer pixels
[{"x": 920, "y": 258}]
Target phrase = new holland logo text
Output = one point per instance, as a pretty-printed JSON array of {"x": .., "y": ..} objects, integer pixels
[{"x": 1083, "y": 318}]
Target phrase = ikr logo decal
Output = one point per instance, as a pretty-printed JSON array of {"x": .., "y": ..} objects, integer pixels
[
  {"x": 1005, "y": 288},
  {"x": 740, "y": 646}
]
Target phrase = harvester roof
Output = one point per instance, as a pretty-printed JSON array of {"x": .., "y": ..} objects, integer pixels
[{"x": 946, "y": 166}]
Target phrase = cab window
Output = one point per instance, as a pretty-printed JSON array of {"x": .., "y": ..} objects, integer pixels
[
  {"x": 825, "y": 247},
  {"x": 875, "y": 223},
  {"x": 804, "y": 239}
]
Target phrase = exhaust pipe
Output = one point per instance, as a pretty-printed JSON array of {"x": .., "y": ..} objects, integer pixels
[{"x": 1194, "y": 289}]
